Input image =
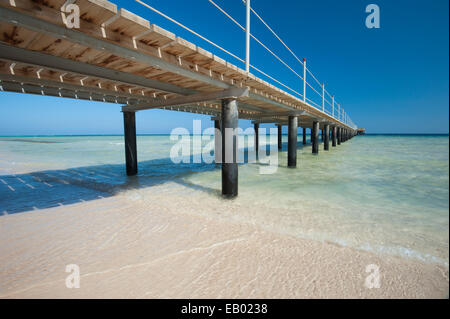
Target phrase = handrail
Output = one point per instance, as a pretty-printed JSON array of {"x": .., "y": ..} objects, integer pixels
[{"x": 333, "y": 108}]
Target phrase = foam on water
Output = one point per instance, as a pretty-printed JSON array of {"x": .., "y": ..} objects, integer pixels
[{"x": 387, "y": 194}]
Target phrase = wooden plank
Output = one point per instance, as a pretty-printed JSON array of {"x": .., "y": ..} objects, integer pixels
[
  {"x": 128, "y": 24},
  {"x": 158, "y": 37}
]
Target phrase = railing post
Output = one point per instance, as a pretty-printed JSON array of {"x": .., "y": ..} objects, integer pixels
[
  {"x": 323, "y": 97},
  {"x": 333, "y": 106},
  {"x": 304, "y": 80},
  {"x": 247, "y": 38}
]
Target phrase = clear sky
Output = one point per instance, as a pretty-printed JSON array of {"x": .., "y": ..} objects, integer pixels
[{"x": 390, "y": 80}]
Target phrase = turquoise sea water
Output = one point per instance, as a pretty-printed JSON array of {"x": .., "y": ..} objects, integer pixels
[{"x": 384, "y": 193}]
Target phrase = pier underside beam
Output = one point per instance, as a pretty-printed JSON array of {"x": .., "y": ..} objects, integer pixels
[
  {"x": 315, "y": 138},
  {"x": 129, "y": 121},
  {"x": 229, "y": 148},
  {"x": 326, "y": 142},
  {"x": 232, "y": 93},
  {"x": 292, "y": 141}
]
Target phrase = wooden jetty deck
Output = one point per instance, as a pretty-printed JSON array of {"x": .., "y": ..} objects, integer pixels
[{"x": 118, "y": 57}]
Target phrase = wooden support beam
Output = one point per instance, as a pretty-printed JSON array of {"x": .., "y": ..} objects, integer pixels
[
  {"x": 65, "y": 65},
  {"x": 279, "y": 114},
  {"x": 233, "y": 93}
]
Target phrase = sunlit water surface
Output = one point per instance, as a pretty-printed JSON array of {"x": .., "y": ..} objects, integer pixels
[{"x": 383, "y": 193}]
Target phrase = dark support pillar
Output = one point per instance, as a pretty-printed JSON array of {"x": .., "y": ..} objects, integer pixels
[
  {"x": 339, "y": 135},
  {"x": 217, "y": 142},
  {"x": 323, "y": 139},
  {"x": 326, "y": 142},
  {"x": 280, "y": 137},
  {"x": 256, "y": 127},
  {"x": 292, "y": 141},
  {"x": 315, "y": 138},
  {"x": 304, "y": 136},
  {"x": 333, "y": 136},
  {"x": 229, "y": 147},
  {"x": 129, "y": 127}
]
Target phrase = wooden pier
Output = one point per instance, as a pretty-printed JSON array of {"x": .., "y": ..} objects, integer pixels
[{"x": 118, "y": 57}]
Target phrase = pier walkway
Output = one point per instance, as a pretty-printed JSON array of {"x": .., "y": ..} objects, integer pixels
[{"x": 118, "y": 57}]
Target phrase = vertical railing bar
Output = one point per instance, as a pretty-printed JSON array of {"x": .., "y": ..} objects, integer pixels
[
  {"x": 247, "y": 38},
  {"x": 304, "y": 80}
]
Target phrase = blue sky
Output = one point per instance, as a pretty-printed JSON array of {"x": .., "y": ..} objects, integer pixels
[{"x": 390, "y": 80}]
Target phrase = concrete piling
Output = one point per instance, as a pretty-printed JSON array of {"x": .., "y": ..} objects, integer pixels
[
  {"x": 229, "y": 148},
  {"x": 256, "y": 128},
  {"x": 217, "y": 142},
  {"x": 129, "y": 121},
  {"x": 280, "y": 137},
  {"x": 326, "y": 142},
  {"x": 292, "y": 141},
  {"x": 315, "y": 137}
]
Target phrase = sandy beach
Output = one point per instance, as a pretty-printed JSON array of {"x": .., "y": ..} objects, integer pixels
[
  {"x": 229, "y": 150},
  {"x": 127, "y": 247}
]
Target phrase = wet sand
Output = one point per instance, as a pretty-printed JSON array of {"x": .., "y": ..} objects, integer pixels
[{"x": 128, "y": 248}]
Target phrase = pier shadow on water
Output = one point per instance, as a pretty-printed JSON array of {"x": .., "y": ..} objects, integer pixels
[{"x": 52, "y": 188}]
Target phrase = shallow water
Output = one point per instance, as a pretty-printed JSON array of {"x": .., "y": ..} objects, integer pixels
[{"x": 384, "y": 193}]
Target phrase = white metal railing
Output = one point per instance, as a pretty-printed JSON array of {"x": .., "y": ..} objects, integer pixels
[{"x": 318, "y": 99}]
